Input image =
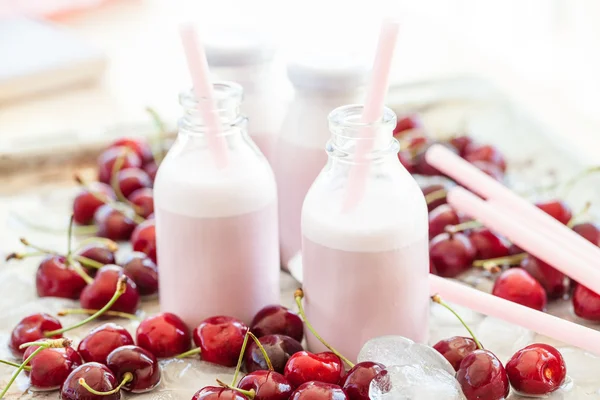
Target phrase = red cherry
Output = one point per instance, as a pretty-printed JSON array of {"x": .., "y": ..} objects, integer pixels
[
  {"x": 101, "y": 341},
  {"x": 32, "y": 328},
  {"x": 86, "y": 204},
  {"x": 151, "y": 169},
  {"x": 305, "y": 367},
  {"x": 107, "y": 159},
  {"x": 144, "y": 200},
  {"x": 488, "y": 244},
  {"x": 97, "y": 294},
  {"x": 99, "y": 253},
  {"x": 143, "y": 238},
  {"x": 440, "y": 218},
  {"x": 139, "y": 145},
  {"x": 132, "y": 179},
  {"x": 357, "y": 381},
  {"x": 55, "y": 279},
  {"x": 484, "y": 152},
  {"x": 114, "y": 224},
  {"x": 276, "y": 319},
  {"x": 408, "y": 123},
  {"x": 143, "y": 272},
  {"x": 435, "y": 203},
  {"x": 451, "y": 254},
  {"x": 279, "y": 349},
  {"x": 218, "y": 393},
  {"x": 552, "y": 280},
  {"x": 536, "y": 370},
  {"x": 460, "y": 143},
  {"x": 267, "y": 385},
  {"x": 50, "y": 367},
  {"x": 422, "y": 167},
  {"x": 220, "y": 339},
  {"x": 97, "y": 376},
  {"x": 482, "y": 376},
  {"x": 518, "y": 286},
  {"x": 586, "y": 303},
  {"x": 164, "y": 335},
  {"x": 455, "y": 349},
  {"x": 557, "y": 209},
  {"x": 491, "y": 170},
  {"x": 318, "y": 391},
  {"x": 138, "y": 362},
  {"x": 589, "y": 231}
]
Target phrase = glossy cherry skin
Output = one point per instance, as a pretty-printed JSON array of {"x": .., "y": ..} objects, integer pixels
[
  {"x": 557, "y": 209},
  {"x": 518, "y": 286},
  {"x": 114, "y": 224},
  {"x": 164, "y": 335},
  {"x": 99, "y": 253},
  {"x": 440, "y": 218},
  {"x": 491, "y": 170},
  {"x": 102, "y": 340},
  {"x": 144, "y": 200},
  {"x": 218, "y": 393},
  {"x": 460, "y": 143},
  {"x": 139, "y": 362},
  {"x": 97, "y": 294},
  {"x": 552, "y": 280},
  {"x": 482, "y": 376},
  {"x": 408, "y": 123},
  {"x": 488, "y": 244},
  {"x": 305, "y": 367},
  {"x": 435, "y": 203},
  {"x": 55, "y": 279},
  {"x": 279, "y": 349},
  {"x": 586, "y": 303},
  {"x": 268, "y": 385},
  {"x": 590, "y": 231},
  {"x": 220, "y": 339},
  {"x": 139, "y": 145},
  {"x": 107, "y": 159},
  {"x": 451, "y": 254},
  {"x": 484, "y": 152},
  {"x": 357, "y": 381},
  {"x": 142, "y": 270},
  {"x": 132, "y": 179},
  {"x": 32, "y": 328},
  {"x": 537, "y": 369},
  {"x": 97, "y": 376},
  {"x": 276, "y": 319},
  {"x": 50, "y": 367},
  {"x": 143, "y": 238},
  {"x": 455, "y": 349},
  {"x": 86, "y": 204},
  {"x": 318, "y": 391}
]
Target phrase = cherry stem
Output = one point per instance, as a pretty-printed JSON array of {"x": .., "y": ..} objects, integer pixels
[
  {"x": 85, "y": 230},
  {"x": 248, "y": 393},
  {"x": 88, "y": 262},
  {"x": 298, "y": 295},
  {"x": 40, "y": 249},
  {"x": 21, "y": 256},
  {"x": 189, "y": 353},
  {"x": 127, "y": 377},
  {"x": 436, "y": 195},
  {"x": 114, "y": 179},
  {"x": 98, "y": 195},
  {"x": 70, "y": 238},
  {"x": 26, "y": 368},
  {"x": 581, "y": 213},
  {"x": 463, "y": 226},
  {"x": 109, "y": 244},
  {"x": 120, "y": 289},
  {"x": 88, "y": 311},
  {"x": 157, "y": 140},
  {"x": 494, "y": 262},
  {"x": 80, "y": 271},
  {"x": 568, "y": 186},
  {"x": 262, "y": 350},
  {"x": 437, "y": 299},
  {"x": 240, "y": 358}
]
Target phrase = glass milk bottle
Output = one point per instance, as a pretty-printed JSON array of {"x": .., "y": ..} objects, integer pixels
[
  {"x": 216, "y": 228},
  {"x": 247, "y": 58},
  {"x": 365, "y": 271},
  {"x": 320, "y": 85}
]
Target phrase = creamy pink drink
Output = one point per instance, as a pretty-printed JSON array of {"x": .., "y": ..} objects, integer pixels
[
  {"x": 216, "y": 228},
  {"x": 365, "y": 271}
]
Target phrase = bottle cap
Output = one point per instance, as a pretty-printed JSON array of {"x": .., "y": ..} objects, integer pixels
[{"x": 238, "y": 47}]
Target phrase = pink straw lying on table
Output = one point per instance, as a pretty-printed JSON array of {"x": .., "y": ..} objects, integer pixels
[{"x": 537, "y": 321}]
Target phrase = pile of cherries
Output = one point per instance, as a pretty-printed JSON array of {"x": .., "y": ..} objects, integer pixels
[{"x": 458, "y": 244}]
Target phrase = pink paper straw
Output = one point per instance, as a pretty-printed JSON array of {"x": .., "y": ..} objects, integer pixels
[
  {"x": 498, "y": 194},
  {"x": 203, "y": 90},
  {"x": 372, "y": 112},
  {"x": 527, "y": 237},
  {"x": 537, "y": 321}
]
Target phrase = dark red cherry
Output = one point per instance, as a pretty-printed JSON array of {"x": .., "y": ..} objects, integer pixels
[
  {"x": 488, "y": 244},
  {"x": 220, "y": 339},
  {"x": 586, "y": 303},
  {"x": 451, "y": 254},
  {"x": 437, "y": 202},
  {"x": 557, "y": 209},
  {"x": 132, "y": 179},
  {"x": 408, "y": 123},
  {"x": 86, "y": 204},
  {"x": 537, "y": 369},
  {"x": 484, "y": 152},
  {"x": 144, "y": 200},
  {"x": 440, "y": 218},
  {"x": 276, "y": 319},
  {"x": 32, "y": 328},
  {"x": 218, "y": 393},
  {"x": 143, "y": 238},
  {"x": 518, "y": 286},
  {"x": 482, "y": 376},
  {"x": 589, "y": 231},
  {"x": 268, "y": 385},
  {"x": 99, "y": 253},
  {"x": 455, "y": 349},
  {"x": 142, "y": 270},
  {"x": 318, "y": 391},
  {"x": 151, "y": 169},
  {"x": 97, "y": 376},
  {"x": 55, "y": 279},
  {"x": 279, "y": 349},
  {"x": 164, "y": 335},
  {"x": 140, "y": 146},
  {"x": 460, "y": 143},
  {"x": 491, "y": 170},
  {"x": 305, "y": 367},
  {"x": 50, "y": 367},
  {"x": 138, "y": 362},
  {"x": 97, "y": 294},
  {"x": 357, "y": 381},
  {"x": 101, "y": 341},
  {"x": 114, "y": 224},
  {"x": 107, "y": 159},
  {"x": 552, "y": 280},
  {"x": 422, "y": 167}
]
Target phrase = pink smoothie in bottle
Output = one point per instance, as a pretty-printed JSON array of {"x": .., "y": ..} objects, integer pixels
[
  {"x": 365, "y": 271},
  {"x": 216, "y": 228}
]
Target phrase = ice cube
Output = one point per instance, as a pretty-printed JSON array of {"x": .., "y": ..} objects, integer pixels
[
  {"x": 398, "y": 350},
  {"x": 502, "y": 338},
  {"x": 192, "y": 374},
  {"x": 415, "y": 382}
]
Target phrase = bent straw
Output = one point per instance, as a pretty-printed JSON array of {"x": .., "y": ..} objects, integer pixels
[
  {"x": 203, "y": 90},
  {"x": 372, "y": 112}
]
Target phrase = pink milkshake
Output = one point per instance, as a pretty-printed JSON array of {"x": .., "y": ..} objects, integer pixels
[
  {"x": 365, "y": 272},
  {"x": 216, "y": 228}
]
